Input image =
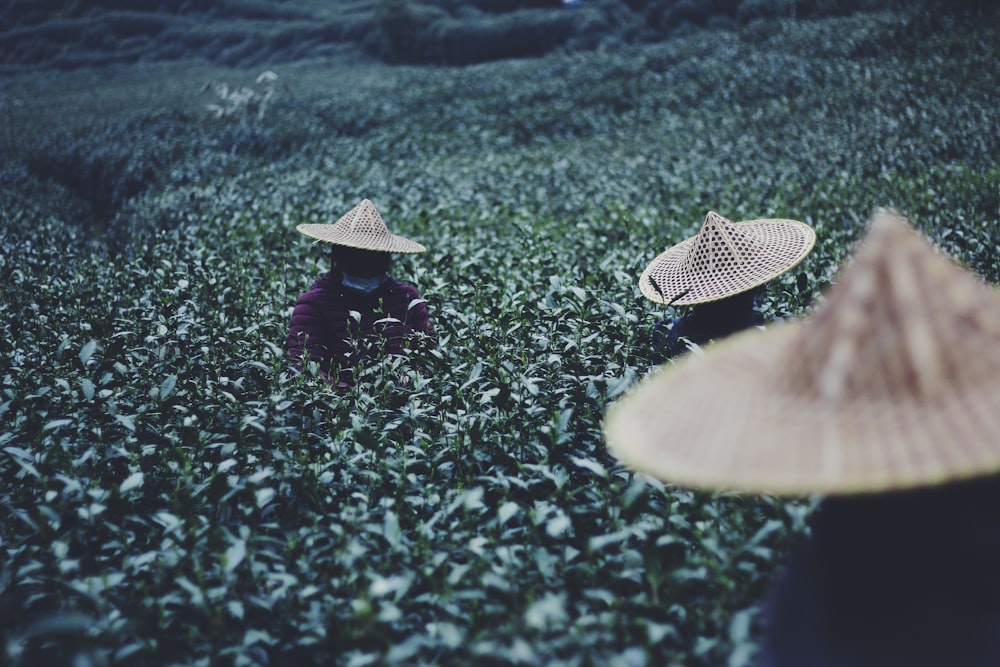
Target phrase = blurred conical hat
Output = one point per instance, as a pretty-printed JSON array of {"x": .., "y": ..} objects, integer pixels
[
  {"x": 725, "y": 258},
  {"x": 892, "y": 383},
  {"x": 362, "y": 227}
]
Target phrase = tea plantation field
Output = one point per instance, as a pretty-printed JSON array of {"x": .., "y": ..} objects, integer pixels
[{"x": 172, "y": 494}]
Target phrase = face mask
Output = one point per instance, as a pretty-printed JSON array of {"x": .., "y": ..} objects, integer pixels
[{"x": 363, "y": 285}]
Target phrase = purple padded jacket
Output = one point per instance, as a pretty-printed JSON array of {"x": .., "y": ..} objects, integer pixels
[{"x": 325, "y": 327}]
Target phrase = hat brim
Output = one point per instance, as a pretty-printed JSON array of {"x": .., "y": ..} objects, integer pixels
[
  {"x": 722, "y": 421},
  {"x": 784, "y": 243},
  {"x": 391, "y": 243}
]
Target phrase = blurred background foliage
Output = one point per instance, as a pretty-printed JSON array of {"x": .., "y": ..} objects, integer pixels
[{"x": 79, "y": 33}]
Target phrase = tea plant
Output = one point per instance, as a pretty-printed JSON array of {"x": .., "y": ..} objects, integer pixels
[{"x": 174, "y": 494}]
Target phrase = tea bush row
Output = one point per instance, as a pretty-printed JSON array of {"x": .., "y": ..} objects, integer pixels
[
  {"x": 251, "y": 32},
  {"x": 197, "y": 500},
  {"x": 734, "y": 99}
]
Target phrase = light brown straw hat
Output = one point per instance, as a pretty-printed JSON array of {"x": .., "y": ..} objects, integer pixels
[
  {"x": 726, "y": 258},
  {"x": 362, "y": 227},
  {"x": 892, "y": 383}
]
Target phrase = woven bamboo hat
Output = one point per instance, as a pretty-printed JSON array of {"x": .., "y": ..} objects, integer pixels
[
  {"x": 726, "y": 258},
  {"x": 892, "y": 383},
  {"x": 362, "y": 227}
]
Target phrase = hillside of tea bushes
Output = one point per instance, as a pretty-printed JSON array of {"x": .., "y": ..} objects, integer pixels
[
  {"x": 173, "y": 495},
  {"x": 72, "y": 34}
]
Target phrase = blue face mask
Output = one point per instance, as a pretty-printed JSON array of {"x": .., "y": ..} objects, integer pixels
[{"x": 364, "y": 285}]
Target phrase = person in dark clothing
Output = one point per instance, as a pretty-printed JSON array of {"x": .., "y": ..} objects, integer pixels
[
  {"x": 706, "y": 322},
  {"x": 721, "y": 274},
  {"x": 904, "y": 579},
  {"x": 357, "y": 312},
  {"x": 884, "y": 403}
]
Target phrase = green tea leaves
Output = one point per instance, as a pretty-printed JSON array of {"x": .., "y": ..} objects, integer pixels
[
  {"x": 87, "y": 351},
  {"x": 169, "y": 475},
  {"x": 133, "y": 481},
  {"x": 167, "y": 386}
]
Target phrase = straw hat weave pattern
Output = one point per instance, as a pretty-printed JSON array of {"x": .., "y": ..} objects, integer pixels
[
  {"x": 726, "y": 258},
  {"x": 892, "y": 383},
  {"x": 362, "y": 227}
]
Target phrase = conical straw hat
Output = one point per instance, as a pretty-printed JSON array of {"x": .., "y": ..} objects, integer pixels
[
  {"x": 725, "y": 258},
  {"x": 362, "y": 227},
  {"x": 892, "y": 383}
]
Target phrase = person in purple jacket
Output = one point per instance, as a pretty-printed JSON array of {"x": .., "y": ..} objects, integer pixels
[{"x": 357, "y": 313}]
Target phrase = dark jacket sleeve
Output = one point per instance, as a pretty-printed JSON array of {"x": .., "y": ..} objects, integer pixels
[
  {"x": 309, "y": 333},
  {"x": 403, "y": 304},
  {"x": 418, "y": 318},
  {"x": 667, "y": 339}
]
